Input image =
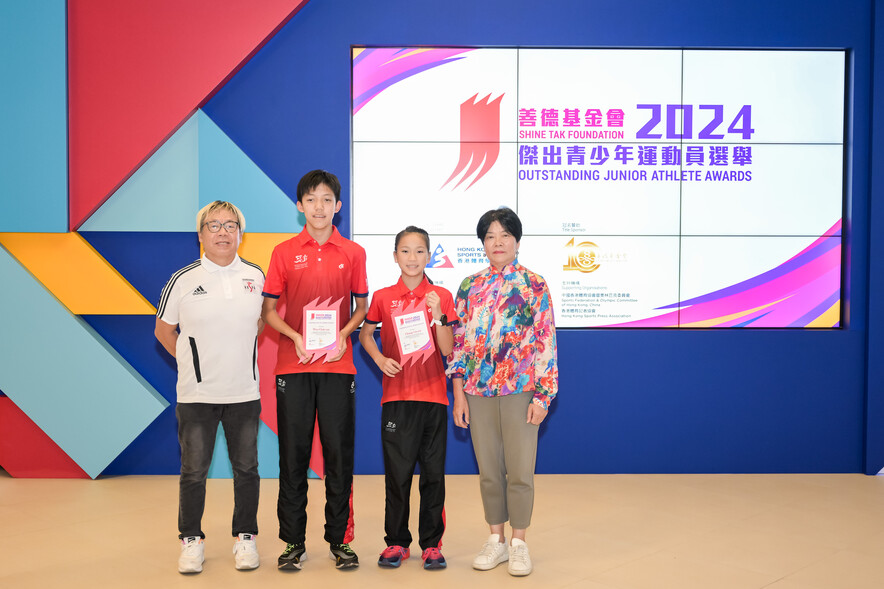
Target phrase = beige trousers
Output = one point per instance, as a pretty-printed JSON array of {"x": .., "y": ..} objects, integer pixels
[{"x": 506, "y": 451}]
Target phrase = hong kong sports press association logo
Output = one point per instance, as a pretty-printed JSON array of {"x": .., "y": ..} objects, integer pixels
[
  {"x": 440, "y": 259},
  {"x": 479, "y": 139},
  {"x": 582, "y": 257}
]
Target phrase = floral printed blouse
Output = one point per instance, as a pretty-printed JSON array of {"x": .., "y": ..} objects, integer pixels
[{"x": 505, "y": 339}]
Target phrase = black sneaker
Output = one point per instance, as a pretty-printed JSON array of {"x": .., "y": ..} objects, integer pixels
[
  {"x": 291, "y": 557},
  {"x": 343, "y": 556}
]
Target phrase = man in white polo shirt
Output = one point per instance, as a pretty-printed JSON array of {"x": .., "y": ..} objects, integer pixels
[{"x": 208, "y": 318}]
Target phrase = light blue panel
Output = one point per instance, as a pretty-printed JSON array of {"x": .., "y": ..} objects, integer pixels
[
  {"x": 163, "y": 195},
  {"x": 33, "y": 117},
  {"x": 220, "y": 467},
  {"x": 268, "y": 455},
  {"x": 226, "y": 173},
  {"x": 268, "y": 452},
  {"x": 65, "y": 377}
]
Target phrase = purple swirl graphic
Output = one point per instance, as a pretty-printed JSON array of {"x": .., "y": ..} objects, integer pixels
[
  {"x": 803, "y": 291},
  {"x": 376, "y": 69}
]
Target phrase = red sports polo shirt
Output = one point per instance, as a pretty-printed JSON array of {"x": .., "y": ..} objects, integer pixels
[
  {"x": 301, "y": 271},
  {"x": 416, "y": 382}
]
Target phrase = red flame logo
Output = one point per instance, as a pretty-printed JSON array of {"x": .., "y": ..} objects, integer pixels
[{"x": 479, "y": 138}]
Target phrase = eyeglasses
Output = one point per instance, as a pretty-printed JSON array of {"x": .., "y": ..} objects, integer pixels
[{"x": 215, "y": 226}]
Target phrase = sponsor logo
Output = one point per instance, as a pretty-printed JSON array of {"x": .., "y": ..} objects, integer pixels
[
  {"x": 199, "y": 291},
  {"x": 248, "y": 285},
  {"x": 479, "y": 139},
  {"x": 300, "y": 261},
  {"x": 583, "y": 257},
  {"x": 440, "y": 259},
  {"x": 390, "y": 427}
]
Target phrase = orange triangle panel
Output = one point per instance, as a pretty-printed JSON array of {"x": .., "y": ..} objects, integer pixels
[
  {"x": 257, "y": 247},
  {"x": 76, "y": 274},
  {"x": 138, "y": 69}
]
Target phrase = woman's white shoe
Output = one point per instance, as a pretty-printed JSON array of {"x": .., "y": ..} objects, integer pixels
[
  {"x": 520, "y": 561},
  {"x": 492, "y": 554}
]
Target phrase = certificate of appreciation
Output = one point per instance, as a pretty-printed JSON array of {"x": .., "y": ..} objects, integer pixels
[
  {"x": 320, "y": 330},
  {"x": 412, "y": 333}
]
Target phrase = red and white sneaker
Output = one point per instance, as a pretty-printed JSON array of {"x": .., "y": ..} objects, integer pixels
[
  {"x": 393, "y": 556},
  {"x": 433, "y": 559}
]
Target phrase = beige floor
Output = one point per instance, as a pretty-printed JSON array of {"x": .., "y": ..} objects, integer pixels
[{"x": 589, "y": 531}]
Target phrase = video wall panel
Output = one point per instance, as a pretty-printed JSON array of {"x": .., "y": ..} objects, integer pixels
[{"x": 657, "y": 188}]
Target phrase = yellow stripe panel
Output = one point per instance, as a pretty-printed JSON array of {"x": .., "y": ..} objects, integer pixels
[
  {"x": 257, "y": 247},
  {"x": 76, "y": 274},
  {"x": 828, "y": 319}
]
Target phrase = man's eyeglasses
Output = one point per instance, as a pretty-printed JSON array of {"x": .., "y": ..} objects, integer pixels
[{"x": 215, "y": 226}]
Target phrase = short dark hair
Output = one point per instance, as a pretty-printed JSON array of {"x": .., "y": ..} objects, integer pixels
[
  {"x": 311, "y": 180},
  {"x": 507, "y": 218},
  {"x": 412, "y": 229}
]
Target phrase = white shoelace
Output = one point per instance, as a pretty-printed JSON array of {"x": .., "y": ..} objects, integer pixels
[
  {"x": 520, "y": 555},
  {"x": 490, "y": 550}
]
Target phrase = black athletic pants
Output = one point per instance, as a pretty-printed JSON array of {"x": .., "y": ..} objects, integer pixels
[
  {"x": 414, "y": 432},
  {"x": 300, "y": 400}
]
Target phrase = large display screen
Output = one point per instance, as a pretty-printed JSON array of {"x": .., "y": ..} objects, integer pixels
[{"x": 656, "y": 188}]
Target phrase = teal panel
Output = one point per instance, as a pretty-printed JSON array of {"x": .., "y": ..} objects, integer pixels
[
  {"x": 162, "y": 195},
  {"x": 220, "y": 467},
  {"x": 226, "y": 173},
  {"x": 33, "y": 117},
  {"x": 66, "y": 377},
  {"x": 268, "y": 455}
]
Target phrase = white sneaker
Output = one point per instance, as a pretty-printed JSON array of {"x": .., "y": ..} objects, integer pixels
[
  {"x": 245, "y": 552},
  {"x": 192, "y": 555},
  {"x": 520, "y": 561},
  {"x": 492, "y": 554}
]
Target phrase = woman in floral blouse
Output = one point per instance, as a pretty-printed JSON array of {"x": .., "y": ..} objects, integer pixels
[{"x": 504, "y": 376}]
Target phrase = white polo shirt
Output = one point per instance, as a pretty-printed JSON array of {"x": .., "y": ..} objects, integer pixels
[{"x": 216, "y": 309}]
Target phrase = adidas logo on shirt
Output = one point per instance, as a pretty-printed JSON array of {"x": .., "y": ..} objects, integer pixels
[{"x": 199, "y": 290}]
